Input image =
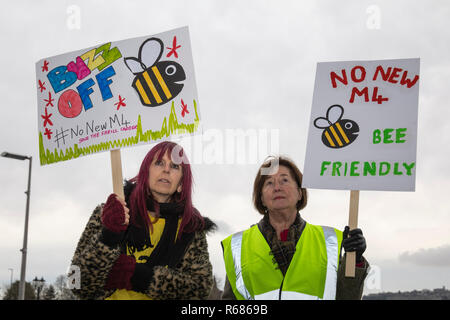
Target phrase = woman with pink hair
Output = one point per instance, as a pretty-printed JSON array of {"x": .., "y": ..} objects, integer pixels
[{"x": 152, "y": 244}]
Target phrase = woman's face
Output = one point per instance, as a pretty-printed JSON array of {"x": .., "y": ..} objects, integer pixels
[
  {"x": 280, "y": 191},
  {"x": 164, "y": 178}
]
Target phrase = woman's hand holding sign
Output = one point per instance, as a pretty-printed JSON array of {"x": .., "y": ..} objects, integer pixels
[
  {"x": 354, "y": 241},
  {"x": 115, "y": 219},
  {"x": 115, "y": 214}
]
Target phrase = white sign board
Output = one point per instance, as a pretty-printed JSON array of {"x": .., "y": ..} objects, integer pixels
[
  {"x": 363, "y": 126},
  {"x": 116, "y": 95}
]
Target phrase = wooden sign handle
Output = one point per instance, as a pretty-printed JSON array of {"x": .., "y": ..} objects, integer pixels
[
  {"x": 116, "y": 167},
  {"x": 352, "y": 223}
]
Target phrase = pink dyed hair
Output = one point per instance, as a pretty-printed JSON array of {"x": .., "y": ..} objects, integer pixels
[{"x": 191, "y": 219}]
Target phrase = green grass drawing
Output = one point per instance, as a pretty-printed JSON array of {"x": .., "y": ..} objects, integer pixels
[{"x": 167, "y": 128}]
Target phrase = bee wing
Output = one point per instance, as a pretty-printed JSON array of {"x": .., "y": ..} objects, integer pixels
[
  {"x": 150, "y": 51},
  {"x": 134, "y": 65},
  {"x": 321, "y": 123},
  {"x": 334, "y": 113}
]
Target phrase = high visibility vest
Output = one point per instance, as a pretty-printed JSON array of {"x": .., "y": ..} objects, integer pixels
[{"x": 311, "y": 275}]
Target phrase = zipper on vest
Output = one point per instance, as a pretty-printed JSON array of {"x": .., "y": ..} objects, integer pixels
[{"x": 281, "y": 287}]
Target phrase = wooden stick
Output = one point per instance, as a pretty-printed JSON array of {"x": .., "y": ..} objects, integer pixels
[
  {"x": 116, "y": 167},
  {"x": 353, "y": 224}
]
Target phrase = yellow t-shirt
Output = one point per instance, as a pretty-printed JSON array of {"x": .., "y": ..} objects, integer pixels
[{"x": 155, "y": 236}]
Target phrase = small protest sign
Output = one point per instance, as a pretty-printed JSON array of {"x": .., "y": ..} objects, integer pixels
[
  {"x": 116, "y": 95},
  {"x": 363, "y": 126}
]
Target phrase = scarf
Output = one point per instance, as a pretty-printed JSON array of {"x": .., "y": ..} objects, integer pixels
[
  {"x": 137, "y": 236},
  {"x": 282, "y": 251}
]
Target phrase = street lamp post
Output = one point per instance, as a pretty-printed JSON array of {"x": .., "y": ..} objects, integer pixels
[
  {"x": 12, "y": 271},
  {"x": 38, "y": 285},
  {"x": 25, "y": 233}
]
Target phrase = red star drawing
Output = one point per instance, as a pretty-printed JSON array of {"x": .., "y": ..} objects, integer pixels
[
  {"x": 49, "y": 100},
  {"x": 184, "y": 106},
  {"x": 120, "y": 103},
  {"x": 48, "y": 133},
  {"x": 46, "y": 118},
  {"x": 45, "y": 66},
  {"x": 174, "y": 49},
  {"x": 41, "y": 85}
]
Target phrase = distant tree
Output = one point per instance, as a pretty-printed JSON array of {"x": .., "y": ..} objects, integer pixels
[
  {"x": 12, "y": 293},
  {"x": 49, "y": 293},
  {"x": 62, "y": 290}
]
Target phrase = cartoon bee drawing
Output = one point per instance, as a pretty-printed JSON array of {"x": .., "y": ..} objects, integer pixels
[
  {"x": 156, "y": 82},
  {"x": 337, "y": 132}
]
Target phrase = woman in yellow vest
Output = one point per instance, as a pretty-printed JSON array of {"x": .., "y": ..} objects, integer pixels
[
  {"x": 283, "y": 256},
  {"x": 152, "y": 244}
]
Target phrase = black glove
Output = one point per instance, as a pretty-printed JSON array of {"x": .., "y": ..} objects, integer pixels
[{"x": 353, "y": 240}]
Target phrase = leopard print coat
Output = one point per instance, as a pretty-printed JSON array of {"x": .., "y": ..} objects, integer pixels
[{"x": 191, "y": 278}]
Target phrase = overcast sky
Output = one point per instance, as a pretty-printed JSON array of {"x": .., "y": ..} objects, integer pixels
[{"x": 255, "y": 65}]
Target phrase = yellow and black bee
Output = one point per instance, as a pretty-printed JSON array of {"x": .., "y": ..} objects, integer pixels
[
  {"x": 156, "y": 82},
  {"x": 337, "y": 132}
]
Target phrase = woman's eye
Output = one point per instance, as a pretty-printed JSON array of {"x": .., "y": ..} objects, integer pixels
[
  {"x": 175, "y": 166},
  {"x": 158, "y": 162}
]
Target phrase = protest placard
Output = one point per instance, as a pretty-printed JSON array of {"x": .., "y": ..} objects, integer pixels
[
  {"x": 363, "y": 127},
  {"x": 116, "y": 95}
]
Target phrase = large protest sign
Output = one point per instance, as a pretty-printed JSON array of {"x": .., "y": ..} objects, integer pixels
[
  {"x": 363, "y": 126},
  {"x": 116, "y": 95},
  {"x": 363, "y": 130}
]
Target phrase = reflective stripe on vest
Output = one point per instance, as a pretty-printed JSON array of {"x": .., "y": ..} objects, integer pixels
[
  {"x": 293, "y": 280},
  {"x": 236, "y": 245},
  {"x": 285, "y": 295},
  {"x": 333, "y": 253}
]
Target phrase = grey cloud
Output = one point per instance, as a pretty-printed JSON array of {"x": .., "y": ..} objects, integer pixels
[{"x": 439, "y": 256}]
